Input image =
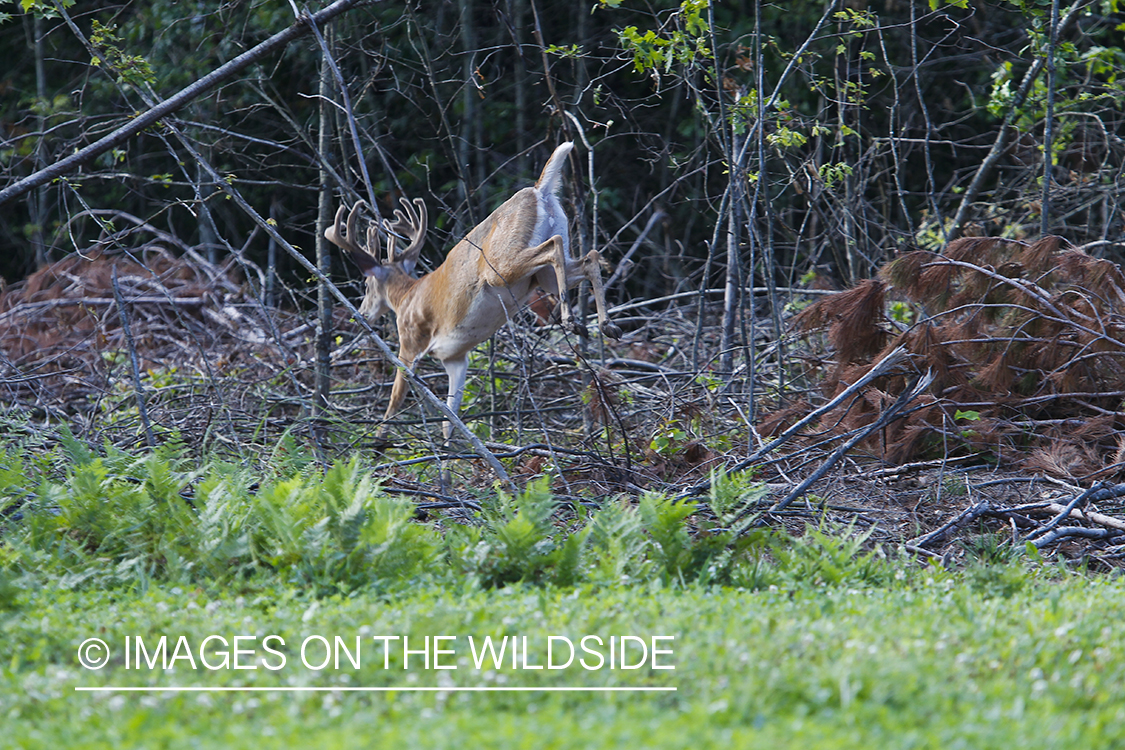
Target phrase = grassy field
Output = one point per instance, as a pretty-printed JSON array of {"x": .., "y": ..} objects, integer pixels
[
  {"x": 255, "y": 574},
  {"x": 995, "y": 660}
]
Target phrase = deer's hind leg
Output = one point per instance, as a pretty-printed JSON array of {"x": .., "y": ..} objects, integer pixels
[
  {"x": 568, "y": 273},
  {"x": 590, "y": 267}
]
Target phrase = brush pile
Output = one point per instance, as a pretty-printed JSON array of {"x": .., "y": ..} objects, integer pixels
[
  {"x": 63, "y": 329},
  {"x": 1025, "y": 344}
]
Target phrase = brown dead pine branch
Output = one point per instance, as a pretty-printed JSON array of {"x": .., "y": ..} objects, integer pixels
[{"x": 1034, "y": 291}]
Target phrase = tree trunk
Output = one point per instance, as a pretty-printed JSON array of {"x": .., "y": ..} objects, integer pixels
[
  {"x": 38, "y": 204},
  {"x": 323, "y": 255}
]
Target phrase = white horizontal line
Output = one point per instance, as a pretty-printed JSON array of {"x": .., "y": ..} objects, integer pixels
[{"x": 403, "y": 689}]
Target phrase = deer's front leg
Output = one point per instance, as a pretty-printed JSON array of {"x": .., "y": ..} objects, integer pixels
[
  {"x": 398, "y": 390},
  {"x": 398, "y": 393}
]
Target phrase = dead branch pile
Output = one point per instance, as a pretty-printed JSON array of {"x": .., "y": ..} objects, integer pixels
[
  {"x": 1025, "y": 342},
  {"x": 62, "y": 327}
]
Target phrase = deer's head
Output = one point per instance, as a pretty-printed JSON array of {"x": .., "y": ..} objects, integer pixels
[{"x": 410, "y": 224}]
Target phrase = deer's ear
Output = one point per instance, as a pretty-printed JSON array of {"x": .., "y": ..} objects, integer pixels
[
  {"x": 378, "y": 272},
  {"x": 408, "y": 266}
]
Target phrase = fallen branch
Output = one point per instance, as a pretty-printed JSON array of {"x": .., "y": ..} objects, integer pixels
[
  {"x": 971, "y": 513},
  {"x": 175, "y": 102},
  {"x": 1089, "y": 516},
  {"x": 1072, "y": 531},
  {"x": 1081, "y": 499},
  {"x": 885, "y": 418}
]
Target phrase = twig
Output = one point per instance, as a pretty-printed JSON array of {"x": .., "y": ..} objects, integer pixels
[
  {"x": 919, "y": 551},
  {"x": 653, "y": 301},
  {"x": 1108, "y": 493},
  {"x": 453, "y": 504},
  {"x": 349, "y": 113},
  {"x": 137, "y": 386},
  {"x": 889, "y": 414},
  {"x": 893, "y": 471},
  {"x": 444, "y": 501},
  {"x": 626, "y": 263}
]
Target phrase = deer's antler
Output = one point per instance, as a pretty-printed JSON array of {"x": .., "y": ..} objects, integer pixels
[
  {"x": 344, "y": 235},
  {"x": 408, "y": 223}
]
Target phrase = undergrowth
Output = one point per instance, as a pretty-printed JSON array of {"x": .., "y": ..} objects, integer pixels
[{"x": 102, "y": 519}]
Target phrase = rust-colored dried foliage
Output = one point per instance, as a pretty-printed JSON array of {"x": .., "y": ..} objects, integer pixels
[
  {"x": 1026, "y": 342},
  {"x": 59, "y": 322},
  {"x": 854, "y": 320}
]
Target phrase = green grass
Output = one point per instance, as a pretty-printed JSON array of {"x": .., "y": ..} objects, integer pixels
[
  {"x": 822, "y": 640},
  {"x": 936, "y": 663}
]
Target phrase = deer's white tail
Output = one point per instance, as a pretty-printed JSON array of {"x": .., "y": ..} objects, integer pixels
[{"x": 549, "y": 181}]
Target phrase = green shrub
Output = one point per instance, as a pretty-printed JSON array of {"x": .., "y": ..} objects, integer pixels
[{"x": 119, "y": 518}]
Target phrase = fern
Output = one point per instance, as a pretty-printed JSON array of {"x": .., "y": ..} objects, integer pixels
[
  {"x": 664, "y": 520},
  {"x": 617, "y": 543},
  {"x": 820, "y": 557}
]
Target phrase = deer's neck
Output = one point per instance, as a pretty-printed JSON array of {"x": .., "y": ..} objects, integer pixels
[{"x": 399, "y": 288}]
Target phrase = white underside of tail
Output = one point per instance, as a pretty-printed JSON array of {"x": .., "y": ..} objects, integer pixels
[
  {"x": 549, "y": 180},
  {"x": 550, "y": 218}
]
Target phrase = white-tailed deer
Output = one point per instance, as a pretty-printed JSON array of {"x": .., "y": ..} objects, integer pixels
[{"x": 486, "y": 278}]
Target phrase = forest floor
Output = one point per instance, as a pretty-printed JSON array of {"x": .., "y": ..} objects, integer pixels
[{"x": 133, "y": 351}]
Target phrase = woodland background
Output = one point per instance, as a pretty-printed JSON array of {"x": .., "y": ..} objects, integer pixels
[{"x": 876, "y": 117}]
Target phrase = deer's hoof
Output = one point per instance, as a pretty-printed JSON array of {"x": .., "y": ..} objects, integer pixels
[{"x": 612, "y": 330}]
